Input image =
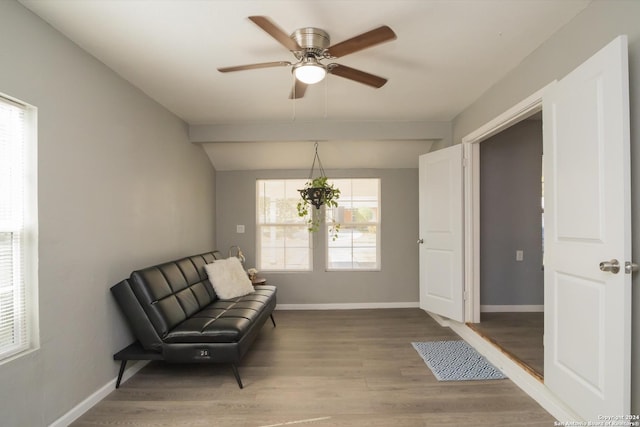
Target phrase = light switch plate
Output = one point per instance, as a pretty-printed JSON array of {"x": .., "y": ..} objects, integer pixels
[{"x": 239, "y": 228}]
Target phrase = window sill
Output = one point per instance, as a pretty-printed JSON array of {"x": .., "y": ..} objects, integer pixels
[{"x": 19, "y": 355}]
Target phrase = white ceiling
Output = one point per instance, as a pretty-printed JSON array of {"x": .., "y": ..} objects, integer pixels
[{"x": 448, "y": 52}]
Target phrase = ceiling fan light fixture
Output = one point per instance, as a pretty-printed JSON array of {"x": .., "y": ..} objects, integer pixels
[{"x": 309, "y": 71}]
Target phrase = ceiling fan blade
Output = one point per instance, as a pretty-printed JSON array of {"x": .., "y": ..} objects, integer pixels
[
  {"x": 356, "y": 75},
  {"x": 274, "y": 31},
  {"x": 363, "y": 41},
  {"x": 298, "y": 90},
  {"x": 254, "y": 66}
]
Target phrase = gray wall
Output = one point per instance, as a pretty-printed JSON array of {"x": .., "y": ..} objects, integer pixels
[
  {"x": 120, "y": 187},
  {"x": 396, "y": 282},
  {"x": 592, "y": 29},
  {"x": 510, "y": 216}
]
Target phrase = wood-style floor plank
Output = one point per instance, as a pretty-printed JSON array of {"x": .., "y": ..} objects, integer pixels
[
  {"x": 520, "y": 334},
  {"x": 318, "y": 369}
]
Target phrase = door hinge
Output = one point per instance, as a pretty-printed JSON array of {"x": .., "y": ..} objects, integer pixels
[
  {"x": 465, "y": 162},
  {"x": 465, "y": 295}
]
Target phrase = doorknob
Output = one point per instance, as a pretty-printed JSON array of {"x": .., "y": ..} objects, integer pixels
[
  {"x": 420, "y": 241},
  {"x": 612, "y": 266},
  {"x": 630, "y": 267}
]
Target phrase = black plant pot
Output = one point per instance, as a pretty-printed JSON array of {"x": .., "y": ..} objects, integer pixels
[{"x": 316, "y": 195}]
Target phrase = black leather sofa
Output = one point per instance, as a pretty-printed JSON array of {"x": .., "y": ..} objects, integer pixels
[{"x": 176, "y": 316}]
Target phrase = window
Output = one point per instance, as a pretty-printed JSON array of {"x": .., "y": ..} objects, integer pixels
[
  {"x": 17, "y": 230},
  {"x": 284, "y": 243},
  {"x": 357, "y": 246}
]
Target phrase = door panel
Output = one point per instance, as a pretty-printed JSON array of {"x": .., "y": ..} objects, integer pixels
[
  {"x": 587, "y": 221},
  {"x": 580, "y": 189},
  {"x": 586, "y": 365},
  {"x": 441, "y": 214}
]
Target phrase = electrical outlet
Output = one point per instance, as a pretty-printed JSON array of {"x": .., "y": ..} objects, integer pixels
[
  {"x": 239, "y": 228},
  {"x": 519, "y": 255}
]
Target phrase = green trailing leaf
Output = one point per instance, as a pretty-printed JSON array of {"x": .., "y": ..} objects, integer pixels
[{"x": 328, "y": 196}]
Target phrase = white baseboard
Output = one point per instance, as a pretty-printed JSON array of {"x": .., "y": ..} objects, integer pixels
[
  {"x": 347, "y": 306},
  {"x": 512, "y": 308},
  {"x": 530, "y": 385},
  {"x": 97, "y": 396}
]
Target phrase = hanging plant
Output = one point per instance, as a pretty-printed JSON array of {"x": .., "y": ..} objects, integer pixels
[{"x": 318, "y": 192}]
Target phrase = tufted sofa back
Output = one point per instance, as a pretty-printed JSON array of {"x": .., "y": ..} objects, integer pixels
[{"x": 167, "y": 294}]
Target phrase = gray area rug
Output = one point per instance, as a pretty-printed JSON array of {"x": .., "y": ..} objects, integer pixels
[{"x": 456, "y": 361}]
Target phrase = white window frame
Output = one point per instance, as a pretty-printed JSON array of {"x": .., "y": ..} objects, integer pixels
[
  {"x": 378, "y": 224},
  {"x": 22, "y": 223},
  {"x": 303, "y": 222}
]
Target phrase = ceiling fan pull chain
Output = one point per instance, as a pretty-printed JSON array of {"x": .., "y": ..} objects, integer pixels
[
  {"x": 326, "y": 97},
  {"x": 293, "y": 107}
]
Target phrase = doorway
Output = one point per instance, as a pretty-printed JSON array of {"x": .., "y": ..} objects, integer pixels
[
  {"x": 587, "y": 222},
  {"x": 511, "y": 227}
]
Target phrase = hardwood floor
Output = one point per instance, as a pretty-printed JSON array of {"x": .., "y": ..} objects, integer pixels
[
  {"x": 520, "y": 334},
  {"x": 320, "y": 368}
]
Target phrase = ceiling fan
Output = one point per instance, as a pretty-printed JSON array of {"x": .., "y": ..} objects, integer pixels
[{"x": 310, "y": 46}]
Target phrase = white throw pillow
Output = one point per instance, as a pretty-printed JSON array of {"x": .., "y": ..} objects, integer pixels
[{"x": 228, "y": 278}]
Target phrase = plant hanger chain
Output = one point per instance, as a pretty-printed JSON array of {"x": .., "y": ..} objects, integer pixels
[{"x": 313, "y": 165}]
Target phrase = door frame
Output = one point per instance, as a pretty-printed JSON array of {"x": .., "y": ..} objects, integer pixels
[
  {"x": 471, "y": 184},
  {"x": 471, "y": 193}
]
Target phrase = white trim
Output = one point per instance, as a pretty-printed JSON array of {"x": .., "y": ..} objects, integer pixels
[
  {"x": 527, "y": 383},
  {"x": 348, "y": 306},
  {"x": 471, "y": 194},
  {"x": 526, "y": 108},
  {"x": 14, "y": 101},
  {"x": 523, "y": 109},
  {"x": 32, "y": 260},
  {"x": 82, "y": 407},
  {"x": 512, "y": 308}
]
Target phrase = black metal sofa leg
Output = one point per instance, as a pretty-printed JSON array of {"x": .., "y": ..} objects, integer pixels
[
  {"x": 236, "y": 374},
  {"x": 273, "y": 320},
  {"x": 123, "y": 364}
]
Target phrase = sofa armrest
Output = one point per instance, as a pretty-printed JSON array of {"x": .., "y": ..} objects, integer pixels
[{"x": 136, "y": 317}]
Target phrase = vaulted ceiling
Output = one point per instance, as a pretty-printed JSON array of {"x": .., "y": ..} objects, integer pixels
[{"x": 447, "y": 53}]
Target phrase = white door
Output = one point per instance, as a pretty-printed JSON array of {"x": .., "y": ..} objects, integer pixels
[
  {"x": 441, "y": 238},
  {"x": 587, "y": 221}
]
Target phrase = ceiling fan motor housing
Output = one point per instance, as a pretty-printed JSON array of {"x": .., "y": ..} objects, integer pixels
[{"x": 313, "y": 41}]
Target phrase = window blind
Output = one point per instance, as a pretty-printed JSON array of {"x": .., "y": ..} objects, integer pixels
[{"x": 13, "y": 306}]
